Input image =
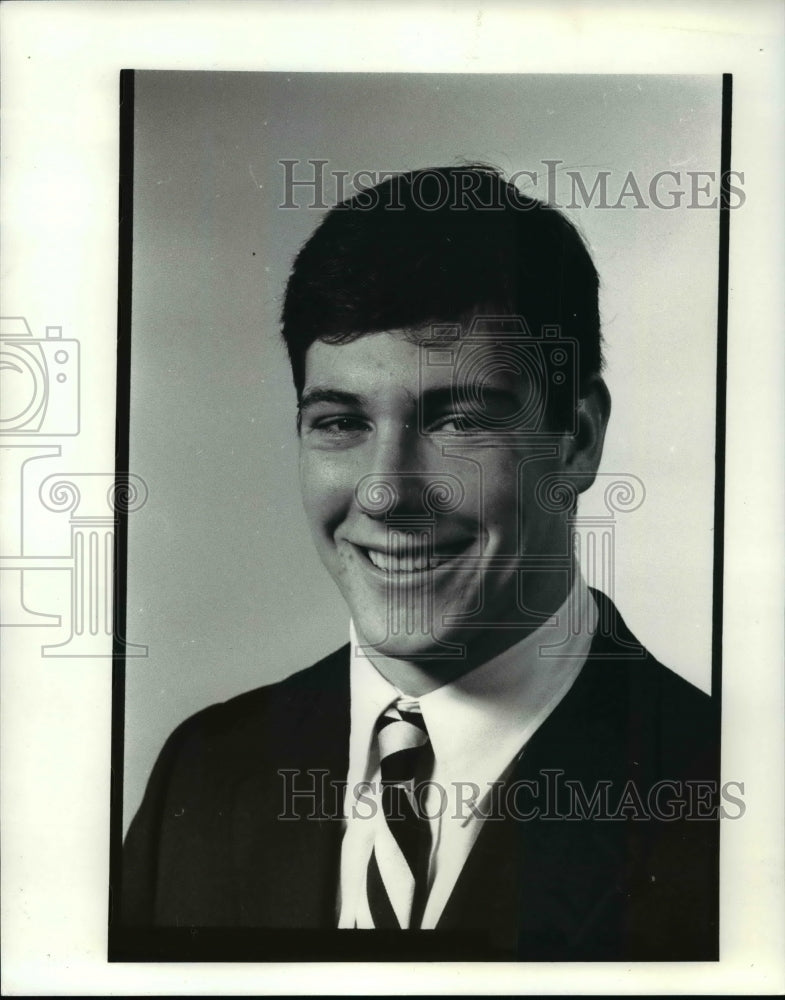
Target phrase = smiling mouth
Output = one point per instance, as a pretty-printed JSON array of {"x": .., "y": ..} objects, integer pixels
[{"x": 409, "y": 560}]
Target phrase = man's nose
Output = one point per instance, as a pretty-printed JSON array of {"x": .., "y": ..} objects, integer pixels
[{"x": 405, "y": 480}]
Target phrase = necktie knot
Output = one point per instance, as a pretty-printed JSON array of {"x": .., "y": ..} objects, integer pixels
[{"x": 403, "y": 741}]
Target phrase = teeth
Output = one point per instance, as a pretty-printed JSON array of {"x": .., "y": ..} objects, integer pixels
[{"x": 402, "y": 564}]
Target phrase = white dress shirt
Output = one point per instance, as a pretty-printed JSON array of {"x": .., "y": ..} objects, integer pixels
[{"x": 478, "y": 725}]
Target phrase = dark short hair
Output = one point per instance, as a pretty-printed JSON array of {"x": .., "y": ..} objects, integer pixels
[{"x": 441, "y": 245}]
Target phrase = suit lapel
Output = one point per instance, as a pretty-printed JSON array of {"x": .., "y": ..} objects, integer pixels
[{"x": 538, "y": 886}]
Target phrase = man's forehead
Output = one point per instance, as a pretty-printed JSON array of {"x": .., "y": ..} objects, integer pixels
[{"x": 437, "y": 347}]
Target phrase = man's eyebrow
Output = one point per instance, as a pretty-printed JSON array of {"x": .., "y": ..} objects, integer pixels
[
  {"x": 471, "y": 392},
  {"x": 311, "y": 397},
  {"x": 432, "y": 399}
]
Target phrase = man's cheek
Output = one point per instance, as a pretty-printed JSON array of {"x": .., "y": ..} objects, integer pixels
[
  {"x": 315, "y": 496},
  {"x": 327, "y": 503},
  {"x": 500, "y": 512}
]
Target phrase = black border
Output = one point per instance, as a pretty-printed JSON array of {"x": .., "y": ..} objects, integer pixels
[
  {"x": 122, "y": 446},
  {"x": 721, "y": 387},
  {"x": 720, "y": 441},
  {"x": 252, "y": 945}
]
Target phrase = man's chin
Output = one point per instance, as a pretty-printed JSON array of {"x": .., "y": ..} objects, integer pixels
[{"x": 414, "y": 648}]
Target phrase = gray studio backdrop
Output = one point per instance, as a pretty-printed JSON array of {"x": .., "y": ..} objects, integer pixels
[{"x": 223, "y": 585}]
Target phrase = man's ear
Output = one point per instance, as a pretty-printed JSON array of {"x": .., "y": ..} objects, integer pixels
[{"x": 583, "y": 449}]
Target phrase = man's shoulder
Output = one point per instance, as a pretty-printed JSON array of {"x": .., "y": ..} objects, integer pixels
[
  {"x": 625, "y": 662},
  {"x": 216, "y": 788},
  {"x": 648, "y": 704},
  {"x": 298, "y": 707}
]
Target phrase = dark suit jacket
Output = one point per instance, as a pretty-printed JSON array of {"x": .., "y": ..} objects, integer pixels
[{"x": 210, "y": 870}]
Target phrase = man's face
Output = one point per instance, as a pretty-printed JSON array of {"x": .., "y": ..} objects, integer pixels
[{"x": 426, "y": 518}]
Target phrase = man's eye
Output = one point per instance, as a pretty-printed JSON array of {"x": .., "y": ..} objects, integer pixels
[
  {"x": 457, "y": 423},
  {"x": 337, "y": 427}
]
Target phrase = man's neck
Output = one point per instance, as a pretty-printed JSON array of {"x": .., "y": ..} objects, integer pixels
[{"x": 418, "y": 676}]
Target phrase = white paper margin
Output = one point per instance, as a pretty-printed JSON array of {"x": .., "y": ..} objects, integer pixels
[{"x": 60, "y": 68}]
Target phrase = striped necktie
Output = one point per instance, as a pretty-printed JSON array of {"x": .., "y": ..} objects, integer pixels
[{"x": 397, "y": 879}]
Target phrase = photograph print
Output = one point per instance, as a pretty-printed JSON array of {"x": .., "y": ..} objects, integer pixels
[{"x": 424, "y": 378}]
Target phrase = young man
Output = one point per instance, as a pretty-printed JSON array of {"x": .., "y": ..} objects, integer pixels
[{"x": 493, "y": 762}]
